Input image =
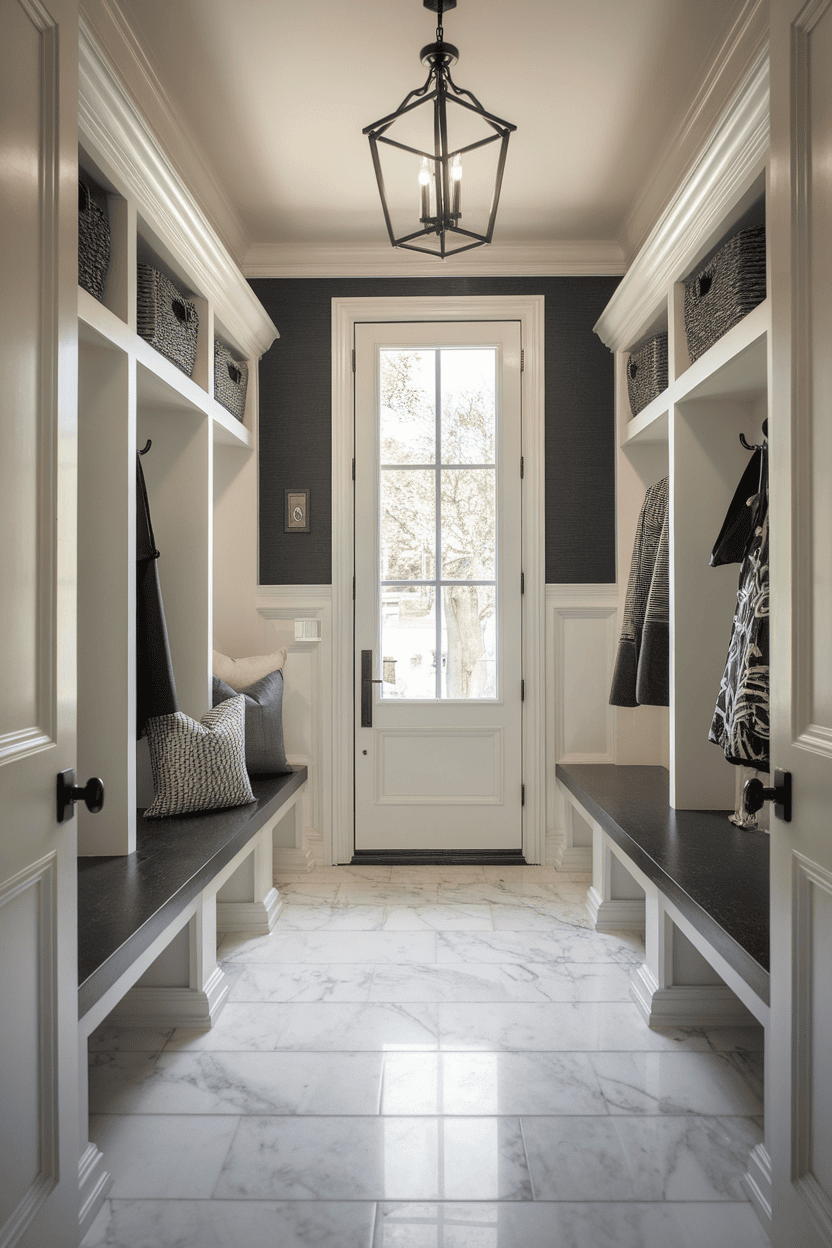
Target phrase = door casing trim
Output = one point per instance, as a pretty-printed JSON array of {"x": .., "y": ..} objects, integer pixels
[{"x": 529, "y": 311}]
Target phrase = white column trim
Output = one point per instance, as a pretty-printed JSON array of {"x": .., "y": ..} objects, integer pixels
[{"x": 529, "y": 310}]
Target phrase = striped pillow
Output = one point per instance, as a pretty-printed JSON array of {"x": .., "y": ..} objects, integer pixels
[{"x": 198, "y": 766}]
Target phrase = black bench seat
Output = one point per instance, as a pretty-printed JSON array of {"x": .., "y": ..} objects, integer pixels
[
  {"x": 124, "y": 902},
  {"x": 715, "y": 873}
]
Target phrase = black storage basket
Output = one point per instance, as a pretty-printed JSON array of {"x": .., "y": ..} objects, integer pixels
[
  {"x": 230, "y": 380},
  {"x": 647, "y": 372},
  {"x": 165, "y": 319},
  {"x": 93, "y": 236},
  {"x": 720, "y": 295}
]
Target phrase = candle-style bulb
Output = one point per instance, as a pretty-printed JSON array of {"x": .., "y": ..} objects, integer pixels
[
  {"x": 424, "y": 188},
  {"x": 456, "y": 187}
]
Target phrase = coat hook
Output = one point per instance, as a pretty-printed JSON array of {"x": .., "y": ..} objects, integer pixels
[
  {"x": 148, "y": 445},
  {"x": 749, "y": 446}
]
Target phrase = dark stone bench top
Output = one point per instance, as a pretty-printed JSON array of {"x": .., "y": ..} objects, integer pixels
[
  {"x": 124, "y": 902},
  {"x": 715, "y": 873}
]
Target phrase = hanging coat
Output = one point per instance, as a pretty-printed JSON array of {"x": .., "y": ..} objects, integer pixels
[
  {"x": 641, "y": 674},
  {"x": 155, "y": 685},
  {"x": 741, "y": 719}
]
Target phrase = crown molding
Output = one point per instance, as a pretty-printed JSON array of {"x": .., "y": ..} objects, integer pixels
[
  {"x": 566, "y": 259},
  {"x": 734, "y": 155},
  {"x": 741, "y": 48},
  {"x": 110, "y": 123},
  {"x": 124, "y": 49}
]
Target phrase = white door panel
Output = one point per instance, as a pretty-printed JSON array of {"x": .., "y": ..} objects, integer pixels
[
  {"x": 799, "y": 1067},
  {"x": 438, "y": 607},
  {"x": 38, "y": 385}
]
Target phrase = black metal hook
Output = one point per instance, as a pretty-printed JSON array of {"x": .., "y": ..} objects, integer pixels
[
  {"x": 754, "y": 446},
  {"x": 148, "y": 445}
]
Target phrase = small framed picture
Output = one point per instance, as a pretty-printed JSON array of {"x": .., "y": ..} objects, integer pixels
[{"x": 297, "y": 512}]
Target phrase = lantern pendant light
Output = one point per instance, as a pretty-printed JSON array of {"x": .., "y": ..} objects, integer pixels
[{"x": 439, "y": 170}]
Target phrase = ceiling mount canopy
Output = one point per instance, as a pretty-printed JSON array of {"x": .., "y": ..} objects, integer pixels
[{"x": 420, "y": 155}]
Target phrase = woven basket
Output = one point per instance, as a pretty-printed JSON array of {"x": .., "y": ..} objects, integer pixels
[
  {"x": 726, "y": 290},
  {"x": 230, "y": 380},
  {"x": 165, "y": 319},
  {"x": 93, "y": 236},
  {"x": 647, "y": 373}
]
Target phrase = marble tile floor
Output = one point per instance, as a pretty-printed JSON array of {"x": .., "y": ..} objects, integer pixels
[{"x": 431, "y": 1057}]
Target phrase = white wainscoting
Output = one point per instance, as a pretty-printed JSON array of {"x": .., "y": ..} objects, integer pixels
[
  {"x": 307, "y": 707},
  {"x": 581, "y": 639}
]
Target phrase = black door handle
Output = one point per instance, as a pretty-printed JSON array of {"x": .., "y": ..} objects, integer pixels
[
  {"x": 367, "y": 683},
  {"x": 754, "y": 793},
  {"x": 68, "y": 793}
]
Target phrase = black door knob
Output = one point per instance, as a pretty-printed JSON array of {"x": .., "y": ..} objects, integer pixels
[
  {"x": 68, "y": 793},
  {"x": 755, "y": 793}
]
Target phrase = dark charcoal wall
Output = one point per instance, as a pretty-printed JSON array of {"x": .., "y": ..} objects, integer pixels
[{"x": 295, "y": 425}]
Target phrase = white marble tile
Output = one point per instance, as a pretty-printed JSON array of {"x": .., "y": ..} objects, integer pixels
[
  {"x": 237, "y": 1083},
  {"x": 416, "y": 893},
  {"x": 301, "y": 1027},
  {"x": 495, "y": 981},
  {"x": 673, "y": 1083},
  {"x": 270, "y": 981},
  {"x": 736, "y": 1039},
  {"x": 543, "y": 916},
  {"x": 376, "y": 1158},
  {"x": 661, "y": 1158},
  {"x": 434, "y": 873},
  {"x": 498, "y": 892},
  {"x": 540, "y": 1224},
  {"x": 564, "y": 944},
  {"x": 232, "y": 1224},
  {"x": 338, "y": 947},
  {"x": 558, "y": 1027},
  {"x": 438, "y": 918},
  {"x": 490, "y": 1083},
  {"x": 330, "y": 918},
  {"x": 310, "y": 890},
  {"x": 530, "y": 873},
  {"x": 129, "y": 1039},
  {"x": 163, "y": 1157}
]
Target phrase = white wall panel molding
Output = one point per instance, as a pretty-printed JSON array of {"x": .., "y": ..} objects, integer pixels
[
  {"x": 557, "y": 259},
  {"x": 111, "y": 125},
  {"x": 735, "y": 153},
  {"x": 529, "y": 310},
  {"x": 94, "y": 1181},
  {"x": 310, "y": 682},
  {"x": 728, "y": 66},
  {"x": 28, "y": 938}
]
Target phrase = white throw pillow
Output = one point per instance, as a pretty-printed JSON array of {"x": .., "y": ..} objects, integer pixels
[
  {"x": 199, "y": 766},
  {"x": 240, "y": 673}
]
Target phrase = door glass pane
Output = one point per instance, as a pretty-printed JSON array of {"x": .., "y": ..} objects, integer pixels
[
  {"x": 469, "y": 642},
  {"x": 408, "y": 641},
  {"x": 468, "y": 406},
  {"x": 408, "y": 406},
  {"x": 468, "y": 504},
  {"x": 407, "y": 521}
]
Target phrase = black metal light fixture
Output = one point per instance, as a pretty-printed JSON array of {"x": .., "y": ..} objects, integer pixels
[{"x": 419, "y": 155}]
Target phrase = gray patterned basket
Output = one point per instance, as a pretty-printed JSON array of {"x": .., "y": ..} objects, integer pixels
[
  {"x": 720, "y": 295},
  {"x": 647, "y": 372},
  {"x": 230, "y": 380},
  {"x": 165, "y": 319},
  {"x": 93, "y": 236}
]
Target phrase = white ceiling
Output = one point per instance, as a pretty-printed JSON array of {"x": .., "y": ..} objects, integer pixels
[{"x": 271, "y": 97}]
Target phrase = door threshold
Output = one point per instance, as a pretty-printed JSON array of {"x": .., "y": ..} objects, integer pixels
[{"x": 438, "y": 857}]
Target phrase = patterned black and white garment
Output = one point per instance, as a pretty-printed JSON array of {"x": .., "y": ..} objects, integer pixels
[
  {"x": 641, "y": 673},
  {"x": 741, "y": 719}
]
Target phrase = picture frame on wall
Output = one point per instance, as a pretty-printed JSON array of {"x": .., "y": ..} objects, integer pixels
[{"x": 296, "y": 515}]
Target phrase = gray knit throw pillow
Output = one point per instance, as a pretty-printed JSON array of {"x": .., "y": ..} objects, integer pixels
[{"x": 198, "y": 766}]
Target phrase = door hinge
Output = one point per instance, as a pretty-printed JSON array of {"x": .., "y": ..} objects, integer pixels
[
  {"x": 522, "y": 691},
  {"x": 522, "y": 795},
  {"x": 522, "y": 582},
  {"x": 522, "y": 467},
  {"x": 522, "y": 359},
  {"x": 353, "y": 360},
  {"x": 353, "y": 470}
]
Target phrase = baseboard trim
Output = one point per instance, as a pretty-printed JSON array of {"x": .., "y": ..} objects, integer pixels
[
  {"x": 615, "y": 916},
  {"x": 567, "y": 858},
  {"x": 687, "y": 1005},
  {"x": 757, "y": 1185},
  {"x": 254, "y": 917},
  {"x": 292, "y": 861},
  {"x": 93, "y": 1185},
  {"x": 150, "y": 1006}
]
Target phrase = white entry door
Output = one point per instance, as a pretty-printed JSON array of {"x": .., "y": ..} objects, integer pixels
[
  {"x": 39, "y": 1133},
  {"x": 799, "y": 1050},
  {"x": 438, "y": 650}
]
